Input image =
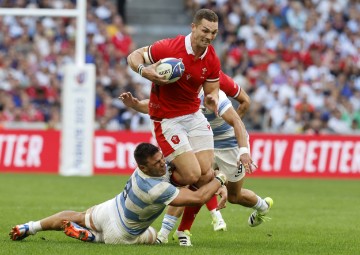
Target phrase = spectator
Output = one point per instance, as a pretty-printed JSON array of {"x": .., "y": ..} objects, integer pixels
[{"x": 277, "y": 49}]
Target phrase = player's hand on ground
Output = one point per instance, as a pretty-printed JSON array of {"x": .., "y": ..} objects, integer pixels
[
  {"x": 149, "y": 72},
  {"x": 211, "y": 103},
  {"x": 247, "y": 163},
  {"x": 128, "y": 99},
  {"x": 222, "y": 192}
]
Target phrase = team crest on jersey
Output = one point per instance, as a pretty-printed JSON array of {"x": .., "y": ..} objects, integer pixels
[
  {"x": 175, "y": 139},
  {"x": 204, "y": 70},
  {"x": 209, "y": 127},
  {"x": 188, "y": 76}
]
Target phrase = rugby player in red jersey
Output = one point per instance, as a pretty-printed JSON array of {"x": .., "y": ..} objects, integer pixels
[{"x": 180, "y": 129}]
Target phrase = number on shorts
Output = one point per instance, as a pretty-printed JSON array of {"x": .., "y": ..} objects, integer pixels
[{"x": 239, "y": 171}]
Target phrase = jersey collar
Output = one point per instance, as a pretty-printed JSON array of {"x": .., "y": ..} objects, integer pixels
[{"x": 189, "y": 49}]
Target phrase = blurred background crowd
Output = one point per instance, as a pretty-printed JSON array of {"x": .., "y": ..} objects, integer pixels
[{"x": 299, "y": 61}]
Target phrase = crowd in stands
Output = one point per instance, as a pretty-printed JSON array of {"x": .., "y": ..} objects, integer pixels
[
  {"x": 298, "y": 60},
  {"x": 33, "y": 52}
]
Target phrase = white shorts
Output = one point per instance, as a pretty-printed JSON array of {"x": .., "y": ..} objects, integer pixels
[
  {"x": 174, "y": 136},
  {"x": 109, "y": 229},
  {"x": 226, "y": 161}
]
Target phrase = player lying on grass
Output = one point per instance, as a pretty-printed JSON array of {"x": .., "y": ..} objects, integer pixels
[
  {"x": 231, "y": 155},
  {"x": 126, "y": 219}
]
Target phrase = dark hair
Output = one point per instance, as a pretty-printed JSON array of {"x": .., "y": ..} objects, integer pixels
[
  {"x": 143, "y": 151},
  {"x": 205, "y": 14}
]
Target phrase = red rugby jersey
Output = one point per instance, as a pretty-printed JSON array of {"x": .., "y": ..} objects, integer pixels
[
  {"x": 228, "y": 85},
  {"x": 181, "y": 97}
]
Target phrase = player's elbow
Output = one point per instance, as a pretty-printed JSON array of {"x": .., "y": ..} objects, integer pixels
[
  {"x": 129, "y": 60},
  {"x": 246, "y": 103},
  {"x": 191, "y": 178}
]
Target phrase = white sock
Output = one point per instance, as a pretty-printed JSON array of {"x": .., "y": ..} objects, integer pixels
[
  {"x": 216, "y": 214},
  {"x": 167, "y": 225},
  {"x": 261, "y": 205},
  {"x": 34, "y": 227}
]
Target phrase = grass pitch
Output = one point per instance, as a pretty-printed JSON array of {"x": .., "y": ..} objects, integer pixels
[{"x": 309, "y": 216}]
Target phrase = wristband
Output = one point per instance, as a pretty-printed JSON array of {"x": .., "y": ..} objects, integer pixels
[
  {"x": 242, "y": 150},
  {"x": 140, "y": 68},
  {"x": 221, "y": 178}
]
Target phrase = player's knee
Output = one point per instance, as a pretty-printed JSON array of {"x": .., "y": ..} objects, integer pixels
[
  {"x": 193, "y": 177},
  {"x": 152, "y": 235},
  {"x": 204, "y": 178},
  {"x": 184, "y": 179},
  {"x": 208, "y": 176}
]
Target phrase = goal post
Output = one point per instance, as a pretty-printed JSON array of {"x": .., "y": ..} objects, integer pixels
[{"x": 78, "y": 95}]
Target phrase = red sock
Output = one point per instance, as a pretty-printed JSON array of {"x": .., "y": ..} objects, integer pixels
[
  {"x": 212, "y": 203},
  {"x": 188, "y": 217}
]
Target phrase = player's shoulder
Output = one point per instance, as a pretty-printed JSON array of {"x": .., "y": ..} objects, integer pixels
[
  {"x": 211, "y": 58},
  {"x": 223, "y": 99},
  {"x": 172, "y": 41},
  {"x": 169, "y": 47},
  {"x": 222, "y": 95},
  {"x": 162, "y": 190},
  {"x": 224, "y": 103},
  {"x": 211, "y": 52}
]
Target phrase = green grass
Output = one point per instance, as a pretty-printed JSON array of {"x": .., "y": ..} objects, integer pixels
[{"x": 309, "y": 217}]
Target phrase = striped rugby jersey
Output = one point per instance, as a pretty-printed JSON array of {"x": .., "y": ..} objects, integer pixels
[
  {"x": 224, "y": 135},
  {"x": 143, "y": 200}
]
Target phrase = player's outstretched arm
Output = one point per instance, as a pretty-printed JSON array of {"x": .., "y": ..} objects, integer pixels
[
  {"x": 135, "y": 103},
  {"x": 233, "y": 119},
  {"x": 199, "y": 197}
]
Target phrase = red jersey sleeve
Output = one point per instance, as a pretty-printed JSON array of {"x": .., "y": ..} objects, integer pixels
[
  {"x": 159, "y": 50},
  {"x": 229, "y": 86}
]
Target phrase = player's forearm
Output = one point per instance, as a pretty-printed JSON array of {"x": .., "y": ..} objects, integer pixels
[
  {"x": 205, "y": 192},
  {"x": 232, "y": 118},
  {"x": 142, "y": 106},
  {"x": 240, "y": 133},
  {"x": 211, "y": 88}
]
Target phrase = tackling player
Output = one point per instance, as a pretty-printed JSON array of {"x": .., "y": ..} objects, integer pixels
[
  {"x": 126, "y": 219},
  {"x": 232, "y": 154}
]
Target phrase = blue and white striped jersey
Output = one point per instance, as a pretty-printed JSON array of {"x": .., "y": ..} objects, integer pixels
[
  {"x": 143, "y": 200},
  {"x": 224, "y": 135}
]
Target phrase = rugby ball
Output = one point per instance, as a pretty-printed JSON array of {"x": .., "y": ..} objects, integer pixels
[{"x": 172, "y": 68}]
